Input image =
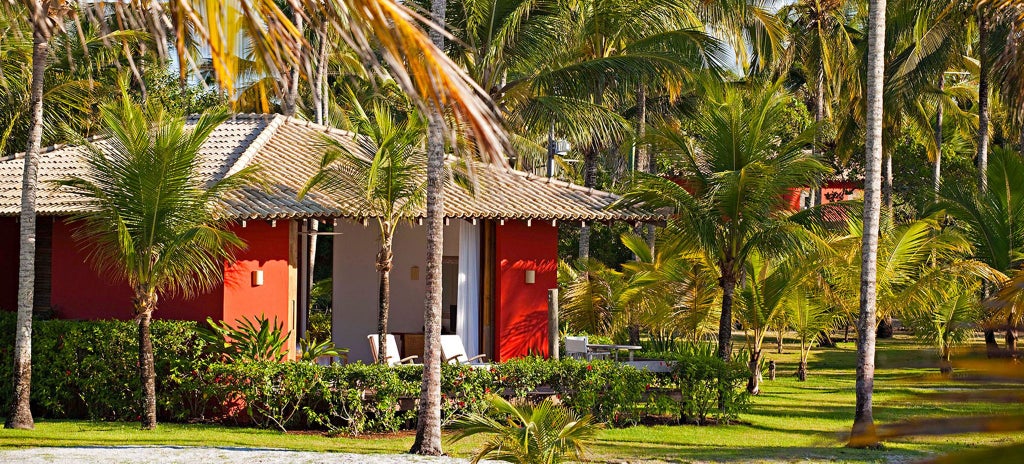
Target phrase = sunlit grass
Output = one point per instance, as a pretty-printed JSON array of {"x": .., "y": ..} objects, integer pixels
[{"x": 790, "y": 421}]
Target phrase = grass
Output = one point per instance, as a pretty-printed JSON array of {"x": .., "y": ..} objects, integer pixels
[{"x": 790, "y": 421}]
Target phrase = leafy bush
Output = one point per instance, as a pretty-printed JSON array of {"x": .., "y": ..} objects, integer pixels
[
  {"x": 703, "y": 381},
  {"x": 88, "y": 370}
]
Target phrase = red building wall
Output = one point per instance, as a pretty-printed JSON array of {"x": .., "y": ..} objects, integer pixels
[
  {"x": 79, "y": 292},
  {"x": 269, "y": 248},
  {"x": 521, "y": 312}
]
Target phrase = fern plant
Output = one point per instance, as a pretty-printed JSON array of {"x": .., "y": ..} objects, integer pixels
[{"x": 543, "y": 434}]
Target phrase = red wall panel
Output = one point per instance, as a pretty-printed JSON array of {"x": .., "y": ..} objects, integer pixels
[
  {"x": 79, "y": 292},
  {"x": 521, "y": 309},
  {"x": 268, "y": 250}
]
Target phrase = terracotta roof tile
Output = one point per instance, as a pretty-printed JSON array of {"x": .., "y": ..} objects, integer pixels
[{"x": 288, "y": 151}]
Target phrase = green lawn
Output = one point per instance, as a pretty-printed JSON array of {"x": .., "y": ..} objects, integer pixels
[{"x": 789, "y": 422}]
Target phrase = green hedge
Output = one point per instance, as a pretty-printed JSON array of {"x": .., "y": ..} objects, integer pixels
[{"x": 89, "y": 370}]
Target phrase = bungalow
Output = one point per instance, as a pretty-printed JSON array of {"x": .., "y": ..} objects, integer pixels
[{"x": 500, "y": 246}]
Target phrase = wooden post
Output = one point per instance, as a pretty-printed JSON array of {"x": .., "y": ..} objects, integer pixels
[
  {"x": 771, "y": 370},
  {"x": 553, "y": 323}
]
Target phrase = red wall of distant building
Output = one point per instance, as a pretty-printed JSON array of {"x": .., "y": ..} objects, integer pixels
[
  {"x": 521, "y": 312},
  {"x": 8, "y": 263}
]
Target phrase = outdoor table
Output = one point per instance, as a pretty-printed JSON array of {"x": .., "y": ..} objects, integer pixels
[{"x": 615, "y": 349}]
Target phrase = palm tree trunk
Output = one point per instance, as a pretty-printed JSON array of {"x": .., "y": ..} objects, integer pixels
[
  {"x": 428, "y": 423},
  {"x": 780, "y": 339},
  {"x": 754, "y": 382},
  {"x": 145, "y": 304},
  {"x": 384, "y": 263},
  {"x": 728, "y": 284},
  {"x": 991, "y": 345},
  {"x": 320, "y": 85},
  {"x": 983, "y": 110},
  {"x": 644, "y": 161},
  {"x": 589, "y": 180},
  {"x": 20, "y": 416},
  {"x": 864, "y": 423},
  {"x": 937, "y": 172},
  {"x": 887, "y": 183},
  {"x": 1011, "y": 336},
  {"x": 945, "y": 367},
  {"x": 292, "y": 97},
  {"x": 819, "y": 115}
]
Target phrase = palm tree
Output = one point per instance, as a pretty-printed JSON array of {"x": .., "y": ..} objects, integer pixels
[
  {"x": 822, "y": 38},
  {"x": 541, "y": 434},
  {"x": 947, "y": 323},
  {"x": 764, "y": 298},
  {"x": 153, "y": 219},
  {"x": 387, "y": 174},
  {"x": 993, "y": 222},
  {"x": 732, "y": 177},
  {"x": 863, "y": 421},
  {"x": 428, "y": 419},
  {"x": 808, "y": 318},
  {"x": 42, "y": 23}
]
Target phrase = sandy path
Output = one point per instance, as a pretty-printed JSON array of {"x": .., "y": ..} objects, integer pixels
[{"x": 192, "y": 455}]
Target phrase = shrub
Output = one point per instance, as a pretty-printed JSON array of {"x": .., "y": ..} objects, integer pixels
[
  {"x": 88, "y": 370},
  {"x": 702, "y": 380}
]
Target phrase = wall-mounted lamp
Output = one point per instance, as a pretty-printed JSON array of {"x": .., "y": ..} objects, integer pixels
[
  {"x": 531, "y": 276},
  {"x": 414, "y": 273},
  {"x": 257, "y": 277}
]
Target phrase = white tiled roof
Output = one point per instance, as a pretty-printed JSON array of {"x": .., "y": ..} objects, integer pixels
[{"x": 288, "y": 151}]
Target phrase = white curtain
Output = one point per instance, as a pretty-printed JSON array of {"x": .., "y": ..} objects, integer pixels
[{"x": 467, "y": 322}]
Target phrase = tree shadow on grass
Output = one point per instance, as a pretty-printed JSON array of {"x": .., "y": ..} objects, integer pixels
[{"x": 611, "y": 450}]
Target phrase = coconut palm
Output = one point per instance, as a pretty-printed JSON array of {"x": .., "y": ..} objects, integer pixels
[
  {"x": 385, "y": 171},
  {"x": 763, "y": 300},
  {"x": 151, "y": 218},
  {"x": 863, "y": 422},
  {"x": 526, "y": 434},
  {"x": 428, "y": 418},
  {"x": 822, "y": 35},
  {"x": 732, "y": 177},
  {"x": 993, "y": 222},
  {"x": 948, "y": 322},
  {"x": 808, "y": 318}
]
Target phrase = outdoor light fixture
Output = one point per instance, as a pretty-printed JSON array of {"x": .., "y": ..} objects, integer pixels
[
  {"x": 531, "y": 276},
  {"x": 414, "y": 273},
  {"x": 257, "y": 278}
]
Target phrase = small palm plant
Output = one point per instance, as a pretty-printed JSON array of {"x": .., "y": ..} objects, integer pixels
[
  {"x": 947, "y": 323},
  {"x": 386, "y": 169},
  {"x": 152, "y": 218},
  {"x": 808, "y": 319},
  {"x": 526, "y": 434}
]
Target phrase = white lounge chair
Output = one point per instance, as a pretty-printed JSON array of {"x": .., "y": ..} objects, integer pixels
[
  {"x": 576, "y": 347},
  {"x": 454, "y": 352},
  {"x": 391, "y": 355}
]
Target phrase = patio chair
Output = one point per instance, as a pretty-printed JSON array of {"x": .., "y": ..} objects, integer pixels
[
  {"x": 576, "y": 347},
  {"x": 454, "y": 352},
  {"x": 391, "y": 356}
]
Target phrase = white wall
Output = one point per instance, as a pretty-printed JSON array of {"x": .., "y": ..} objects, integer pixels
[{"x": 356, "y": 282}]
